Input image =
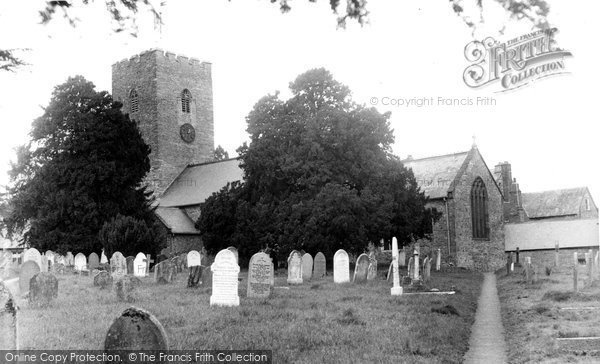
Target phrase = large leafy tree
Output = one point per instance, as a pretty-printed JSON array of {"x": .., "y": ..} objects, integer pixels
[
  {"x": 82, "y": 167},
  {"x": 319, "y": 175}
]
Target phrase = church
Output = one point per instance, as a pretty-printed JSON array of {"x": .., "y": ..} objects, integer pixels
[{"x": 483, "y": 212}]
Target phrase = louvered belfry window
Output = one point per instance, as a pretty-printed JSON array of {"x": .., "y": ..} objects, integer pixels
[
  {"x": 479, "y": 210},
  {"x": 185, "y": 101},
  {"x": 134, "y": 101}
]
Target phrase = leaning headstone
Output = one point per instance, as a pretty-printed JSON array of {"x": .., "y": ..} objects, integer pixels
[
  {"x": 411, "y": 267},
  {"x": 136, "y": 329},
  {"x": 307, "y": 267},
  {"x": 28, "y": 270},
  {"x": 129, "y": 262},
  {"x": 341, "y": 267},
  {"x": 260, "y": 271},
  {"x": 225, "y": 271},
  {"x": 194, "y": 276},
  {"x": 396, "y": 289},
  {"x": 124, "y": 288},
  {"x": 320, "y": 266},
  {"x": 118, "y": 265},
  {"x": 34, "y": 255},
  {"x": 372, "y": 271},
  {"x": 140, "y": 265},
  {"x": 194, "y": 259},
  {"x": 361, "y": 269},
  {"x": 103, "y": 279},
  {"x": 161, "y": 272},
  {"x": 235, "y": 252},
  {"x": 80, "y": 262},
  {"x": 43, "y": 289},
  {"x": 93, "y": 261},
  {"x": 295, "y": 268},
  {"x": 8, "y": 319},
  {"x": 402, "y": 258}
]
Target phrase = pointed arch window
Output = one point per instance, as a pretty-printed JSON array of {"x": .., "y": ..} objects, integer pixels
[
  {"x": 186, "y": 96},
  {"x": 479, "y": 210},
  {"x": 134, "y": 101}
]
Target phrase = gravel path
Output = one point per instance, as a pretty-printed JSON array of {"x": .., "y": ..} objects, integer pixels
[{"x": 487, "y": 344}]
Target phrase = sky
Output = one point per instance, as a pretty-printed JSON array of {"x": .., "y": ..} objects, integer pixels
[{"x": 410, "y": 49}]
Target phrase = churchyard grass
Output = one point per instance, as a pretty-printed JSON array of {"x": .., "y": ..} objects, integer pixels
[
  {"x": 318, "y": 321},
  {"x": 536, "y": 315}
]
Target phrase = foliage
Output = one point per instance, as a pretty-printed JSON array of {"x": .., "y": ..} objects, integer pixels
[
  {"x": 82, "y": 167},
  {"x": 220, "y": 154},
  {"x": 319, "y": 175},
  {"x": 129, "y": 236}
]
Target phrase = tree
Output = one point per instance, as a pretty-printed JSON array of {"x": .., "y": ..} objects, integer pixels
[
  {"x": 318, "y": 175},
  {"x": 82, "y": 167},
  {"x": 220, "y": 154},
  {"x": 129, "y": 236}
]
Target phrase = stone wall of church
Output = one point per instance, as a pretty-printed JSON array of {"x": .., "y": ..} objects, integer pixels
[
  {"x": 478, "y": 254},
  {"x": 177, "y": 244},
  {"x": 440, "y": 231}
]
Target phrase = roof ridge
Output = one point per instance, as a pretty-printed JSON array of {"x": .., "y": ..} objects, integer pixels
[
  {"x": 211, "y": 162},
  {"x": 557, "y": 190},
  {"x": 432, "y": 157}
]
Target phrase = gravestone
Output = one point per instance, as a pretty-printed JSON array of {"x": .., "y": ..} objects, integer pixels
[
  {"x": 320, "y": 266},
  {"x": 8, "y": 319},
  {"x": 140, "y": 265},
  {"x": 235, "y": 252},
  {"x": 103, "y": 279},
  {"x": 341, "y": 267},
  {"x": 118, "y": 265},
  {"x": 173, "y": 269},
  {"x": 295, "y": 268},
  {"x": 416, "y": 253},
  {"x": 225, "y": 271},
  {"x": 260, "y": 272},
  {"x": 410, "y": 268},
  {"x": 80, "y": 262},
  {"x": 194, "y": 259},
  {"x": 372, "y": 271},
  {"x": 34, "y": 255},
  {"x": 44, "y": 263},
  {"x": 69, "y": 259},
  {"x": 43, "y": 289},
  {"x": 396, "y": 289},
  {"x": 124, "y": 288},
  {"x": 136, "y": 329},
  {"x": 103, "y": 258},
  {"x": 28, "y": 270},
  {"x": 51, "y": 259},
  {"x": 149, "y": 261},
  {"x": 427, "y": 269},
  {"x": 93, "y": 261},
  {"x": 5, "y": 264},
  {"x": 129, "y": 262},
  {"x": 194, "y": 276},
  {"x": 438, "y": 260},
  {"x": 307, "y": 267},
  {"x": 361, "y": 269}
]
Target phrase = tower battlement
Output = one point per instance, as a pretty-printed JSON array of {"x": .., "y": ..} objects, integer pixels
[{"x": 160, "y": 54}]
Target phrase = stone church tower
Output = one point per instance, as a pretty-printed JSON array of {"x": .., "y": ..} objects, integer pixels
[{"x": 170, "y": 97}]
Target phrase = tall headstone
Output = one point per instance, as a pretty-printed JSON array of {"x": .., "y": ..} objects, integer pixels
[
  {"x": 118, "y": 265},
  {"x": 235, "y": 252},
  {"x": 396, "y": 289},
  {"x": 307, "y": 267},
  {"x": 8, "y": 319},
  {"x": 93, "y": 261},
  {"x": 225, "y": 271},
  {"x": 129, "y": 262},
  {"x": 34, "y": 255},
  {"x": 341, "y": 267},
  {"x": 411, "y": 268},
  {"x": 43, "y": 289},
  {"x": 80, "y": 262},
  {"x": 361, "y": 269},
  {"x": 140, "y": 265},
  {"x": 415, "y": 276},
  {"x": 295, "y": 268},
  {"x": 260, "y": 271},
  {"x": 194, "y": 259},
  {"x": 320, "y": 266},
  {"x": 28, "y": 270},
  {"x": 372, "y": 273},
  {"x": 427, "y": 269},
  {"x": 136, "y": 329},
  {"x": 438, "y": 260}
]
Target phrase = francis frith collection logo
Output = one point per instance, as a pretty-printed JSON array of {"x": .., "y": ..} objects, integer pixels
[{"x": 514, "y": 63}]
